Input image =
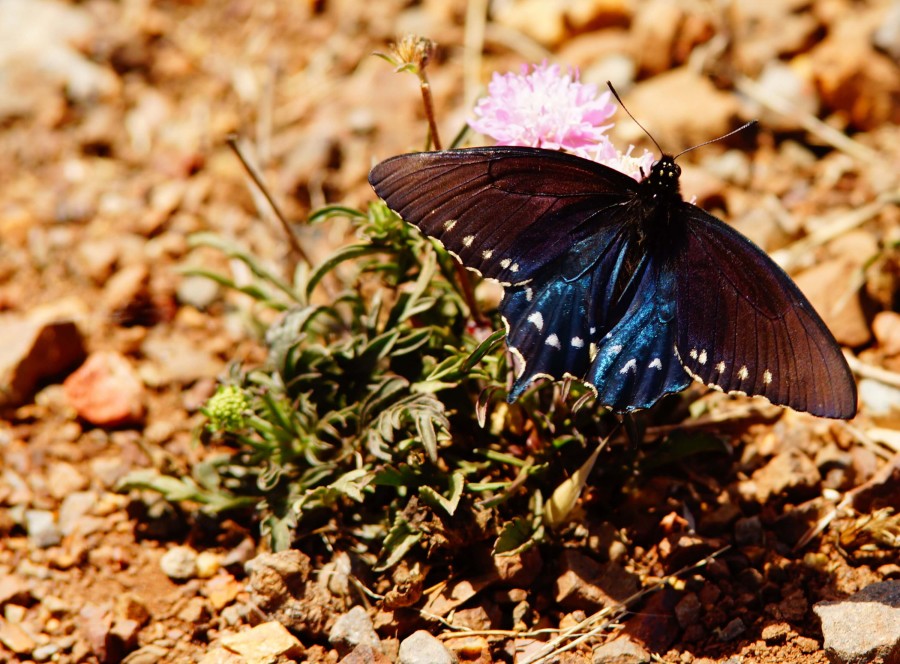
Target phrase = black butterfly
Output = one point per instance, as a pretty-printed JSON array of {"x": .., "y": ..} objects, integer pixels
[{"x": 620, "y": 284}]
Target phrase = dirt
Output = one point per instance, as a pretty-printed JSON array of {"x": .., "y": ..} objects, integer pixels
[{"x": 113, "y": 126}]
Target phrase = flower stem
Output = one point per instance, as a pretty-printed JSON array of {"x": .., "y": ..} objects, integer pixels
[{"x": 428, "y": 102}]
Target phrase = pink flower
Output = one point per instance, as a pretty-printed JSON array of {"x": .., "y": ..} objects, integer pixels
[
  {"x": 548, "y": 109},
  {"x": 544, "y": 108}
]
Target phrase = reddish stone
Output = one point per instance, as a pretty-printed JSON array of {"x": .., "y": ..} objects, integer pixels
[{"x": 106, "y": 390}]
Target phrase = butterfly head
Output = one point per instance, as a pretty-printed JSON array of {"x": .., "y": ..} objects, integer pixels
[{"x": 663, "y": 178}]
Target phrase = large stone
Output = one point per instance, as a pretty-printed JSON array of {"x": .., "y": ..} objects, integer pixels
[
  {"x": 863, "y": 627},
  {"x": 33, "y": 350},
  {"x": 282, "y": 584}
]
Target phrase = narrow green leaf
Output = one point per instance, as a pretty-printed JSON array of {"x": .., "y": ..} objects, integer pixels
[
  {"x": 340, "y": 256},
  {"x": 331, "y": 211},
  {"x": 515, "y": 536},
  {"x": 401, "y": 538},
  {"x": 447, "y": 503},
  {"x": 425, "y": 429},
  {"x": 483, "y": 349}
]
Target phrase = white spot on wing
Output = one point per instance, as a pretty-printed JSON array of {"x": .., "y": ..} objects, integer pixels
[
  {"x": 448, "y": 225},
  {"x": 528, "y": 294},
  {"x": 702, "y": 358},
  {"x": 487, "y": 253},
  {"x": 655, "y": 364},
  {"x": 505, "y": 263},
  {"x": 767, "y": 376},
  {"x": 514, "y": 267},
  {"x": 743, "y": 374},
  {"x": 630, "y": 365},
  {"x": 553, "y": 340},
  {"x": 468, "y": 240},
  {"x": 720, "y": 367},
  {"x": 615, "y": 349},
  {"x": 693, "y": 353},
  {"x": 537, "y": 320},
  {"x": 592, "y": 351},
  {"x": 577, "y": 342}
]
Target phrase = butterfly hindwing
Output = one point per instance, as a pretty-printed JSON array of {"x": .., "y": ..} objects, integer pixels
[
  {"x": 598, "y": 322},
  {"x": 636, "y": 362},
  {"x": 744, "y": 326},
  {"x": 503, "y": 211}
]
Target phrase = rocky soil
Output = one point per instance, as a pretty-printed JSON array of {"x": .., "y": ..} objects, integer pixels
[{"x": 113, "y": 125}]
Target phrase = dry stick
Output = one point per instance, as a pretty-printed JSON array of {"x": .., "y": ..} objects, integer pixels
[
  {"x": 885, "y": 376},
  {"x": 296, "y": 250},
  {"x": 788, "y": 258},
  {"x": 809, "y": 122}
]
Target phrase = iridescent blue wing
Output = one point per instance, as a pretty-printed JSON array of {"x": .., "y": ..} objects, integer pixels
[
  {"x": 505, "y": 212},
  {"x": 610, "y": 325},
  {"x": 745, "y": 327}
]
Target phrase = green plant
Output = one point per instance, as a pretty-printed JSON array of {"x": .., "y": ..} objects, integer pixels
[{"x": 384, "y": 391}]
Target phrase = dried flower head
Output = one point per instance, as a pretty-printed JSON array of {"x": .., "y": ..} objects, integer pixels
[{"x": 412, "y": 52}]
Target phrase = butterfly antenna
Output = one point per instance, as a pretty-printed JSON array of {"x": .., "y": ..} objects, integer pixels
[
  {"x": 625, "y": 108},
  {"x": 730, "y": 133}
]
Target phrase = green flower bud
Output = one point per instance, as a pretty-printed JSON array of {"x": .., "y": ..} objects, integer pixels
[{"x": 225, "y": 409}]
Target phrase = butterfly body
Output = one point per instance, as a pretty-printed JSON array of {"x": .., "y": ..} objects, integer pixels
[{"x": 617, "y": 283}]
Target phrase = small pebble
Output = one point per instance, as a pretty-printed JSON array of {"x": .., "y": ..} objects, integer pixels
[
  {"x": 45, "y": 652},
  {"x": 732, "y": 630},
  {"x": 352, "y": 629},
  {"x": 42, "y": 529},
  {"x": 423, "y": 648},
  {"x": 208, "y": 563},
  {"x": 179, "y": 563},
  {"x": 74, "y": 507}
]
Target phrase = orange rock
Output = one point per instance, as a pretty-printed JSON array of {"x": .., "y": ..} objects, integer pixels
[
  {"x": 886, "y": 327},
  {"x": 106, "y": 390}
]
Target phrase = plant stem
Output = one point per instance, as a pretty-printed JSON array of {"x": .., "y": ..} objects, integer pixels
[
  {"x": 297, "y": 251},
  {"x": 427, "y": 100}
]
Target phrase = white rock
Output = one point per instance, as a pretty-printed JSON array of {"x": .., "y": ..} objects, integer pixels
[
  {"x": 865, "y": 626},
  {"x": 179, "y": 563},
  {"x": 422, "y": 648}
]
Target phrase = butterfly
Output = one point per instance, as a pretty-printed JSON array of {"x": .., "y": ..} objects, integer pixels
[{"x": 617, "y": 283}]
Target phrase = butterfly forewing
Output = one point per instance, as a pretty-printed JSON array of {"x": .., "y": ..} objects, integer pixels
[
  {"x": 744, "y": 326},
  {"x": 504, "y": 211}
]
